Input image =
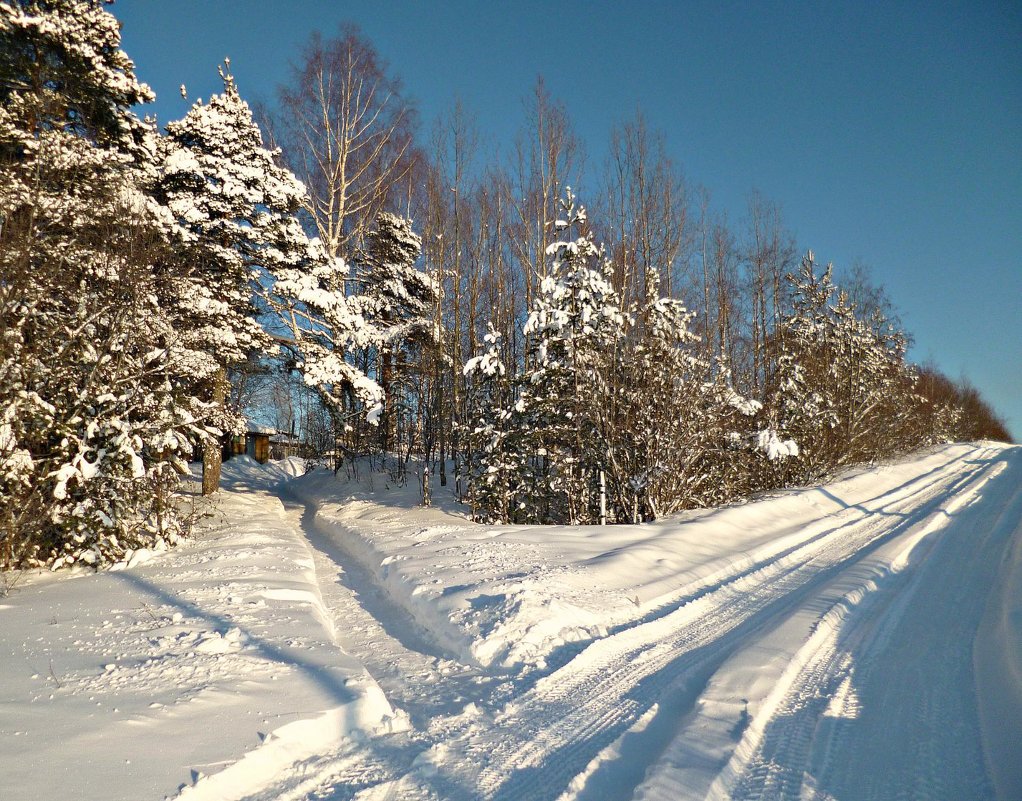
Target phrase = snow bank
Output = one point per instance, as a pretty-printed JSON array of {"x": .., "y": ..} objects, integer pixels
[
  {"x": 211, "y": 665},
  {"x": 514, "y": 596}
]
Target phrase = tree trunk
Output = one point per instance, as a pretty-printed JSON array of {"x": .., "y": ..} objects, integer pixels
[
  {"x": 427, "y": 497},
  {"x": 212, "y": 449},
  {"x": 603, "y": 498}
]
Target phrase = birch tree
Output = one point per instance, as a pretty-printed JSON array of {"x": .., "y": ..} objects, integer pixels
[{"x": 347, "y": 132}]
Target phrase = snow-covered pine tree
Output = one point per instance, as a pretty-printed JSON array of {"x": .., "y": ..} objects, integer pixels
[
  {"x": 398, "y": 301},
  {"x": 491, "y": 476},
  {"x": 236, "y": 227},
  {"x": 743, "y": 452},
  {"x": 877, "y": 385},
  {"x": 559, "y": 425},
  {"x": 801, "y": 403},
  {"x": 89, "y": 418}
]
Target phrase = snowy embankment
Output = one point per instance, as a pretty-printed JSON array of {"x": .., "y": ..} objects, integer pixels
[
  {"x": 130, "y": 683},
  {"x": 325, "y": 637}
]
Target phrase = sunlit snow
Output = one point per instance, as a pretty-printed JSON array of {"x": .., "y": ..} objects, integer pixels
[{"x": 328, "y": 638}]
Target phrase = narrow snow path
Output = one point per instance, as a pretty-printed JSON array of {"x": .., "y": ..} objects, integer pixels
[
  {"x": 203, "y": 672},
  {"x": 416, "y": 673},
  {"x": 420, "y": 679}
]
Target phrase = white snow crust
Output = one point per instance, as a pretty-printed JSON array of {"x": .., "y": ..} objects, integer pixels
[{"x": 326, "y": 637}]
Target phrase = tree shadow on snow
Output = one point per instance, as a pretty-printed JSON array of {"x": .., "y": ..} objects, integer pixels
[{"x": 332, "y": 685}]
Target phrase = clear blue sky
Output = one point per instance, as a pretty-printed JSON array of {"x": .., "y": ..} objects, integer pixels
[{"x": 888, "y": 132}]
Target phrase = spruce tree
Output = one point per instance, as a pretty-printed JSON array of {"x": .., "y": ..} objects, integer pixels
[
  {"x": 235, "y": 227},
  {"x": 573, "y": 334},
  {"x": 90, "y": 415},
  {"x": 663, "y": 417},
  {"x": 397, "y": 300},
  {"x": 491, "y": 474}
]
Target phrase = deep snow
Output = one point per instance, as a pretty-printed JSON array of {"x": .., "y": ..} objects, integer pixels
[{"x": 327, "y": 638}]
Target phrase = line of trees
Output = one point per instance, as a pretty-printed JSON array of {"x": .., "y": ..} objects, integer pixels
[
  {"x": 159, "y": 285},
  {"x": 720, "y": 351}
]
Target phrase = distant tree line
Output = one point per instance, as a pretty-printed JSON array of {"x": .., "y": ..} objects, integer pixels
[{"x": 160, "y": 286}]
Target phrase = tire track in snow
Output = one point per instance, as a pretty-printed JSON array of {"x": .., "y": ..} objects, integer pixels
[
  {"x": 928, "y": 653},
  {"x": 806, "y": 745},
  {"x": 541, "y": 741},
  {"x": 417, "y": 675},
  {"x": 787, "y": 540}
]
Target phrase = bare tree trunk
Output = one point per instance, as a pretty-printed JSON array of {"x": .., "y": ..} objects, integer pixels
[
  {"x": 212, "y": 450},
  {"x": 603, "y": 498},
  {"x": 703, "y": 235},
  {"x": 547, "y": 157},
  {"x": 645, "y": 208},
  {"x": 427, "y": 448}
]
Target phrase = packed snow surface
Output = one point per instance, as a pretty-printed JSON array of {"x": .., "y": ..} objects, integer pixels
[{"x": 324, "y": 637}]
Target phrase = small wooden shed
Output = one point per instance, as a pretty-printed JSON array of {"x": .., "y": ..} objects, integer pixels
[
  {"x": 234, "y": 445},
  {"x": 257, "y": 444}
]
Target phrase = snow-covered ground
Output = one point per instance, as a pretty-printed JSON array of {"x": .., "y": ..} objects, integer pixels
[{"x": 327, "y": 638}]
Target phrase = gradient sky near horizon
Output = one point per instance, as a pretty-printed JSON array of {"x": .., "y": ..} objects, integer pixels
[{"x": 890, "y": 133}]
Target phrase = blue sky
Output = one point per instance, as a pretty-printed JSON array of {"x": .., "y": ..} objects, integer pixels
[{"x": 888, "y": 132}]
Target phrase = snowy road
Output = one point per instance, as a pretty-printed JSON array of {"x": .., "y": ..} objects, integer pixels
[
  {"x": 858, "y": 640},
  {"x": 869, "y": 614}
]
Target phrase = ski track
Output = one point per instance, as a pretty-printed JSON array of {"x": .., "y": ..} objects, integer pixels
[{"x": 569, "y": 724}]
